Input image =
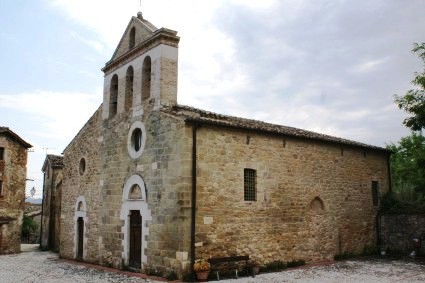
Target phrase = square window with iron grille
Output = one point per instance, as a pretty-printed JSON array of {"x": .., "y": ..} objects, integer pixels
[{"x": 250, "y": 193}]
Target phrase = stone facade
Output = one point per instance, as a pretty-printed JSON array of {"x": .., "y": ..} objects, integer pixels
[
  {"x": 51, "y": 210},
  {"x": 313, "y": 199},
  {"x": 13, "y": 173},
  {"x": 150, "y": 165}
]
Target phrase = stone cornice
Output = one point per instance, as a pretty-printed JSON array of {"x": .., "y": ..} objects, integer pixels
[{"x": 161, "y": 36}]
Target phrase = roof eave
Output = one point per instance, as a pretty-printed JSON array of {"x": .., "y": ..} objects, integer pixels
[{"x": 194, "y": 120}]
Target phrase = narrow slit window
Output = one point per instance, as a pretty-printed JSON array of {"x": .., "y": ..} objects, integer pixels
[
  {"x": 132, "y": 37},
  {"x": 146, "y": 78},
  {"x": 375, "y": 193},
  {"x": 113, "y": 99},
  {"x": 1, "y": 153},
  {"x": 1, "y": 189},
  {"x": 250, "y": 193}
]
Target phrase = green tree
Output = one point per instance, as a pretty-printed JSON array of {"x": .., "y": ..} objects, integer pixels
[
  {"x": 28, "y": 226},
  {"x": 413, "y": 101},
  {"x": 408, "y": 164}
]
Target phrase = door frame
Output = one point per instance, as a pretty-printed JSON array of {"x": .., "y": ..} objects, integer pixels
[
  {"x": 141, "y": 205},
  {"x": 80, "y": 211}
]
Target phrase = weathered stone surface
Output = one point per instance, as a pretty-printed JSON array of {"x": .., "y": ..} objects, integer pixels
[
  {"x": 281, "y": 225},
  {"x": 52, "y": 195},
  {"x": 13, "y": 173},
  {"x": 397, "y": 232}
]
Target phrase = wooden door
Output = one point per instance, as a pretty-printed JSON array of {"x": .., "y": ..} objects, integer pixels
[
  {"x": 80, "y": 237},
  {"x": 135, "y": 239}
]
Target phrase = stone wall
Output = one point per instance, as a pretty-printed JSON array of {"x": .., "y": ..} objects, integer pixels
[
  {"x": 397, "y": 232},
  {"x": 50, "y": 225},
  {"x": 166, "y": 182},
  {"x": 82, "y": 183},
  {"x": 164, "y": 167},
  {"x": 13, "y": 172},
  {"x": 313, "y": 199}
]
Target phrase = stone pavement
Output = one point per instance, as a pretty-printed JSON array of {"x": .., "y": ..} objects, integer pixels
[{"x": 35, "y": 266}]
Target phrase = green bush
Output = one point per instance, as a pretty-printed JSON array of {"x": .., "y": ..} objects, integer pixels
[
  {"x": 275, "y": 265},
  {"x": 171, "y": 275},
  {"x": 189, "y": 277},
  {"x": 295, "y": 263},
  {"x": 344, "y": 255},
  {"x": 402, "y": 203}
]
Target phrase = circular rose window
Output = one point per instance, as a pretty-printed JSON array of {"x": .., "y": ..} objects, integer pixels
[{"x": 136, "y": 139}]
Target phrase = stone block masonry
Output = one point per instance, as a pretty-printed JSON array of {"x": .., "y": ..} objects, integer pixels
[
  {"x": 397, "y": 232},
  {"x": 313, "y": 200}
]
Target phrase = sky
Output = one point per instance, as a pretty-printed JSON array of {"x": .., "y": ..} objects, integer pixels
[{"x": 330, "y": 66}]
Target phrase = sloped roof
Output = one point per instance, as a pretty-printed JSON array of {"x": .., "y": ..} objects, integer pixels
[
  {"x": 10, "y": 133},
  {"x": 55, "y": 161},
  {"x": 141, "y": 21},
  {"x": 150, "y": 36},
  {"x": 194, "y": 115}
]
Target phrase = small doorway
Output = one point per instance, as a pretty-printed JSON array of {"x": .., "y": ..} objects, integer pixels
[
  {"x": 80, "y": 237},
  {"x": 135, "y": 239}
]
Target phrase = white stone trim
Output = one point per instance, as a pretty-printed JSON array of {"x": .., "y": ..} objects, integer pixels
[
  {"x": 133, "y": 153},
  {"x": 77, "y": 214},
  {"x": 134, "y": 204},
  {"x": 156, "y": 54}
]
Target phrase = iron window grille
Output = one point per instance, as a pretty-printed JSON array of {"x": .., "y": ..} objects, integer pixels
[{"x": 250, "y": 193}]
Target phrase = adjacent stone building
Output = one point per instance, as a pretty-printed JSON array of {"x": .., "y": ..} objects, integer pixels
[
  {"x": 151, "y": 183},
  {"x": 13, "y": 173},
  {"x": 51, "y": 207}
]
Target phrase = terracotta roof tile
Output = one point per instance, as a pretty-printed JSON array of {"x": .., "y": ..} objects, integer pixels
[
  {"x": 13, "y": 135},
  {"x": 195, "y": 115},
  {"x": 56, "y": 161}
]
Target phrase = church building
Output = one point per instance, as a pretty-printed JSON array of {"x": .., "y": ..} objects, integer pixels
[{"x": 150, "y": 183}]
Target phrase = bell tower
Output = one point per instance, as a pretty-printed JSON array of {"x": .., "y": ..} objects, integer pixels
[{"x": 142, "y": 73}]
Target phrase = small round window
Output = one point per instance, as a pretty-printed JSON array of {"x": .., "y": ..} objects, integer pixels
[
  {"x": 82, "y": 167},
  {"x": 136, "y": 139}
]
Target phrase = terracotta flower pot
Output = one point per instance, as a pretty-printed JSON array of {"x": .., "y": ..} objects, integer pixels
[{"x": 202, "y": 276}]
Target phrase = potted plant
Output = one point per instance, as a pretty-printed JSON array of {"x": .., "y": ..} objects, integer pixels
[{"x": 202, "y": 269}]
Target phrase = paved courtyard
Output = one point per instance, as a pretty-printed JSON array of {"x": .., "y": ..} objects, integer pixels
[{"x": 34, "y": 266}]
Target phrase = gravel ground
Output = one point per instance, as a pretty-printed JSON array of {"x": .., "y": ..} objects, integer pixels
[
  {"x": 365, "y": 271},
  {"x": 34, "y": 266}
]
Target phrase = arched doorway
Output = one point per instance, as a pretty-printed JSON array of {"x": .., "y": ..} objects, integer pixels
[
  {"x": 320, "y": 230},
  {"x": 80, "y": 220},
  {"x": 136, "y": 216}
]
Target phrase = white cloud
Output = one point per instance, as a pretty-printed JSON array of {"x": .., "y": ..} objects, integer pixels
[
  {"x": 92, "y": 43},
  {"x": 55, "y": 115},
  {"x": 328, "y": 66},
  {"x": 369, "y": 65}
]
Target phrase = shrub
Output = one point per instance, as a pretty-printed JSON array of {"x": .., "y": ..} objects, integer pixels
[
  {"x": 171, "y": 275},
  {"x": 295, "y": 263},
  {"x": 189, "y": 277},
  {"x": 344, "y": 255},
  {"x": 275, "y": 265}
]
